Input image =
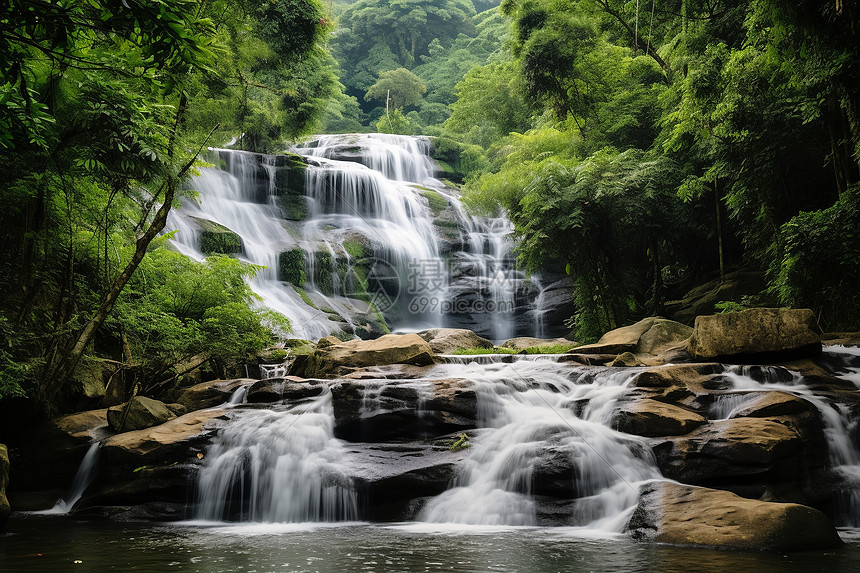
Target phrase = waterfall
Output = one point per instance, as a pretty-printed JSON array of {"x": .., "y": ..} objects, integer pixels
[
  {"x": 843, "y": 453},
  {"x": 84, "y": 476},
  {"x": 353, "y": 228},
  {"x": 531, "y": 411},
  {"x": 277, "y": 466}
]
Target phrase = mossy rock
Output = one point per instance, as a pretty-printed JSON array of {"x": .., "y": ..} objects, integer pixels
[
  {"x": 323, "y": 277},
  {"x": 436, "y": 201},
  {"x": 218, "y": 239},
  {"x": 291, "y": 267},
  {"x": 291, "y": 186}
]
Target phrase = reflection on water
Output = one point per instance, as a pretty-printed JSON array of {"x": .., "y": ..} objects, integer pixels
[{"x": 50, "y": 543}]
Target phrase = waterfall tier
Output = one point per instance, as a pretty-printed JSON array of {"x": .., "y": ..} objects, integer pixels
[{"x": 356, "y": 235}]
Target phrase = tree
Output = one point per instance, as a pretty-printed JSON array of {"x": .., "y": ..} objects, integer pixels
[{"x": 397, "y": 89}]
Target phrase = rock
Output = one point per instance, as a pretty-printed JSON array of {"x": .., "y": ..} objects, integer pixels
[
  {"x": 156, "y": 464},
  {"x": 662, "y": 336},
  {"x": 587, "y": 359},
  {"x": 523, "y": 342},
  {"x": 768, "y": 404},
  {"x": 388, "y": 478},
  {"x": 162, "y": 442},
  {"x": 755, "y": 334},
  {"x": 841, "y": 338},
  {"x": 142, "y": 413},
  {"x": 739, "y": 453},
  {"x": 316, "y": 365},
  {"x": 381, "y": 410},
  {"x": 288, "y": 389},
  {"x": 450, "y": 340},
  {"x": 557, "y": 306},
  {"x": 86, "y": 426},
  {"x": 5, "y": 509},
  {"x": 177, "y": 409},
  {"x": 646, "y": 417},
  {"x": 652, "y": 335},
  {"x": 687, "y": 515},
  {"x": 327, "y": 341},
  {"x": 388, "y": 349},
  {"x": 212, "y": 393},
  {"x": 703, "y": 299},
  {"x": 626, "y": 360}
]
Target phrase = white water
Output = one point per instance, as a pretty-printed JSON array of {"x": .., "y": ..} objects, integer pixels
[
  {"x": 87, "y": 472},
  {"x": 844, "y": 455},
  {"x": 365, "y": 188},
  {"x": 530, "y": 408},
  {"x": 277, "y": 466}
]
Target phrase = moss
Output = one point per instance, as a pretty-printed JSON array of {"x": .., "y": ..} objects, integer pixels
[
  {"x": 323, "y": 278},
  {"x": 291, "y": 267},
  {"x": 437, "y": 202},
  {"x": 218, "y": 239},
  {"x": 458, "y": 160},
  {"x": 355, "y": 249},
  {"x": 546, "y": 349},
  {"x": 304, "y": 296},
  {"x": 291, "y": 186}
]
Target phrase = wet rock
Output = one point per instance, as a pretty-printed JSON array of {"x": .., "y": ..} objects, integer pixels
[
  {"x": 769, "y": 404},
  {"x": 156, "y": 464},
  {"x": 625, "y": 360},
  {"x": 688, "y": 515},
  {"x": 138, "y": 413},
  {"x": 388, "y": 349},
  {"x": 5, "y": 509},
  {"x": 647, "y": 417},
  {"x": 736, "y": 453},
  {"x": 450, "y": 340},
  {"x": 286, "y": 389},
  {"x": 755, "y": 334},
  {"x": 389, "y": 478},
  {"x": 210, "y": 394},
  {"x": 316, "y": 365},
  {"x": 381, "y": 410},
  {"x": 587, "y": 359}
]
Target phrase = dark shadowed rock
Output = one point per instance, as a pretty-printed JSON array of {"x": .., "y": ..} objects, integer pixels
[
  {"x": 687, "y": 515},
  {"x": 5, "y": 510},
  {"x": 380, "y": 410},
  {"x": 210, "y": 394},
  {"x": 288, "y": 389}
]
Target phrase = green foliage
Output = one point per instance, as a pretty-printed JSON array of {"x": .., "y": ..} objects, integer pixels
[
  {"x": 395, "y": 122},
  {"x": 397, "y": 89},
  {"x": 175, "y": 308},
  {"x": 461, "y": 444},
  {"x": 820, "y": 267}
]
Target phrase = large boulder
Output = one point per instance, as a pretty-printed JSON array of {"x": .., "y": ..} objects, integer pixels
[
  {"x": 388, "y": 349},
  {"x": 212, "y": 393},
  {"x": 647, "y": 417},
  {"x": 5, "y": 510},
  {"x": 687, "y": 515},
  {"x": 653, "y": 335},
  {"x": 746, "y": 455},
  {"x": 154, "y": 465},
  {"x": 450, "y": 340},
  {"x": 138, "y": 413},
  {"x": 755, "y": 334}
]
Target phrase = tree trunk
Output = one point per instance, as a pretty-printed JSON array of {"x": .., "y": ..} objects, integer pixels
[{"x": 719, "y": 209}]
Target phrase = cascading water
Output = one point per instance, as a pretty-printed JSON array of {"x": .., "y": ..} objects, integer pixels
[
  {"x": 355, "y": 227},
  {"x": 530, "y": 408},
  {"x": 843, "y": 453},
  {"x": 86, "y": 474},
  {"x": 281, "y": 466}
]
